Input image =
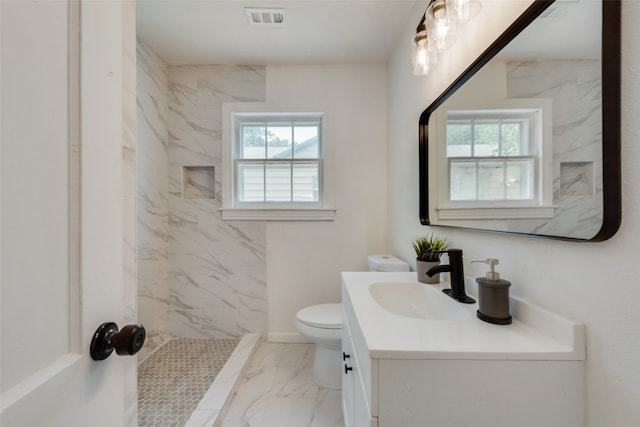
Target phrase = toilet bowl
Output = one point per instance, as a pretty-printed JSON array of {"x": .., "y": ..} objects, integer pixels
[{"x": 322, "y": 325}]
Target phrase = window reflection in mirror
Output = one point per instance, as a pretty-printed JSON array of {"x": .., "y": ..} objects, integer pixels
[{"x": 492, "y": 155}]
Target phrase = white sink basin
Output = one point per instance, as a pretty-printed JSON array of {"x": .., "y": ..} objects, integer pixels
[{"x": 412, "y": 299}]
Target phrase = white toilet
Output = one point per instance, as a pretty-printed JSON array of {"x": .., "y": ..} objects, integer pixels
[{"x": 322, "y": 324}]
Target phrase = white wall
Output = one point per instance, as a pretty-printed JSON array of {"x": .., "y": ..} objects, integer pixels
[
  {"x": 304, "y": 259},
  {"x": 596, "y": 283}
]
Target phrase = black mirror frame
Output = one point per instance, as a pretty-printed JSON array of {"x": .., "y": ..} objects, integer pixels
[{"x": 611, "y": 91}]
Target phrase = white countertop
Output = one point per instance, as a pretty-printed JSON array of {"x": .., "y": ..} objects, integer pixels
[{"x": 535, "y": 334}]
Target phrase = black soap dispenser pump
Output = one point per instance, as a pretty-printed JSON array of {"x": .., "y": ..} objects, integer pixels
[{"x": 493, "y": 296}]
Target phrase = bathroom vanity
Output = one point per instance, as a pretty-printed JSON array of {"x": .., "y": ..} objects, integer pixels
[{"x": 414, "y": 357}]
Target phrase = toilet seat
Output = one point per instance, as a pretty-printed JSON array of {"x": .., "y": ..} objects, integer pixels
[{"x": 325, "y": 316}]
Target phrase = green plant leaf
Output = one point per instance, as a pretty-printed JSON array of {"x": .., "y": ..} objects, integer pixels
[{"x": 426, "y": 247}]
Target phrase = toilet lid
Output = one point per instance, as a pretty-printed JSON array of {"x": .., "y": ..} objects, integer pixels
[{"x": 327, "y": 316}]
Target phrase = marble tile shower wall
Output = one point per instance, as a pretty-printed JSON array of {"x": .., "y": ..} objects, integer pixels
[
  {"x": 217, "y": 269},
  {"x": 577, "y": 136},
  {"x": 152, "y": 204}
]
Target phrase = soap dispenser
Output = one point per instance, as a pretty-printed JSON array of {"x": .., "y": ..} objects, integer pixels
[{"x": 493, "y": 296}]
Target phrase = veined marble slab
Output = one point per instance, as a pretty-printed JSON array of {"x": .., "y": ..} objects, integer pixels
[{"x": 217, "y": 269}]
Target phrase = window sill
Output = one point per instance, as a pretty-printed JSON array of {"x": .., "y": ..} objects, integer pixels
[
  {"x": 234, "y": 214},
  {"x": 530, "y": 212}
]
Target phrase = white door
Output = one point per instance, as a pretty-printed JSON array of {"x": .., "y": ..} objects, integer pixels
[{"x": 63, "y": 212}]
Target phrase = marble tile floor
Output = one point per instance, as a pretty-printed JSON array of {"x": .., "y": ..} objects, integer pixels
[{"x": 278, "y": 391}]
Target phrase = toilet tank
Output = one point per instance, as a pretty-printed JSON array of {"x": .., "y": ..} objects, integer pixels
[{"x": 385, "y": 262}]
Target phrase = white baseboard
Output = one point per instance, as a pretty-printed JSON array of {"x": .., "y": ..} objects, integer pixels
[{"x": 287, "y": 337}]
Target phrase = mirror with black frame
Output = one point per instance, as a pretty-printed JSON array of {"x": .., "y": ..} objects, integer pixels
[{"x": 527, "y": 139}]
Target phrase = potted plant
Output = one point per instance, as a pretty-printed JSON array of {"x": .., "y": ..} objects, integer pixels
[{"x": 427, "y": 256}]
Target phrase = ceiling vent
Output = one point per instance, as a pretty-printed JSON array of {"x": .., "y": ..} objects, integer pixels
[{"x": 265, "y": 17}]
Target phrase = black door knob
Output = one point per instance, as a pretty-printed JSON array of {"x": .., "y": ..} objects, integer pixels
[
  {"x": 347, "y": 368},
  {"x": 127, "y": 341},
  {"x": 345, "y": 356}
]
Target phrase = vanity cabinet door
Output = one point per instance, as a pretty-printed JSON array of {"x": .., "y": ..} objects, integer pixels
[
  {"x": 347, "y": 376},
  {"x": 355, "y": 409},
  {"x": 361, "y": 411}
]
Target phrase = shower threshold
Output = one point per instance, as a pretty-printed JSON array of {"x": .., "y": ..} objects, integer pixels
[{"x": 174, "y": 386}]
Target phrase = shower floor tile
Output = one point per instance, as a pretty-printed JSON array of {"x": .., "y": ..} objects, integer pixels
[
  {"x": 173, "y": 379},
  {"x": 278, "y": 390}
]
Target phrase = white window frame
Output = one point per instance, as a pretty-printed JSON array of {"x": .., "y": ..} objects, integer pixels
[
  {"x": 232, "y": 208},
  {"x": 530, "y": 117},
  {"x": 540, "y": 207}
]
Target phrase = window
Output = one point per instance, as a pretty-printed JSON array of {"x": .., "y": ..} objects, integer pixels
[
  {"x": 494, "y": 160},
  {"x": 492, "y": 155},
  {"x": 276, "y": 163}
]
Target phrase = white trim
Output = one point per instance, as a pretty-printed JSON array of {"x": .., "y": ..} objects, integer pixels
[
  {"x": 497, "y": 213},
  {"x": 278, "y": 214},
  {"x": 49, "y": 375},
  {"x": 230, "y": 210},
  {"x": 75, "y": 168}
]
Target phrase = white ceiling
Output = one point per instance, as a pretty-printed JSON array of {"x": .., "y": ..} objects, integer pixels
[
  {"x": 567, "y": 29},
  {"x": 315, "y": 31}
]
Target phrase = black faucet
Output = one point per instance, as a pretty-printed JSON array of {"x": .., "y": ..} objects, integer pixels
[{"x": 456, "y": 272}]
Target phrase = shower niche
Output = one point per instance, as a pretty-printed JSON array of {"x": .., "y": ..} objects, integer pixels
[{"x": 198, "y": 182}]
